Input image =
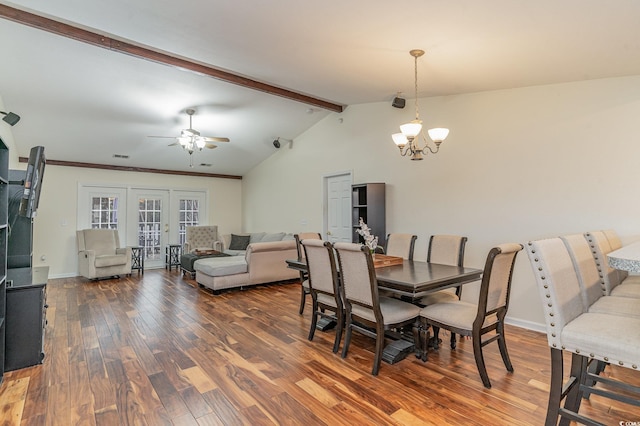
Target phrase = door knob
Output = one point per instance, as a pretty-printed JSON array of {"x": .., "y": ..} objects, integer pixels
[
  {"x": 329, "y": 233},
  {"x": 166, "y": 227}
]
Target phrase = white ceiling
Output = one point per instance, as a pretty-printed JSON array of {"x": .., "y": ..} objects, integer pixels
[{"x": 85, "y": 103}]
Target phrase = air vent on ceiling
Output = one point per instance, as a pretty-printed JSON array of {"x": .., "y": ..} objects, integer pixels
[{"x": 120, "y": 156}]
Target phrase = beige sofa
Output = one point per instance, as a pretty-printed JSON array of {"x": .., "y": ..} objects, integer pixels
[{"x": 262, "y": 262}]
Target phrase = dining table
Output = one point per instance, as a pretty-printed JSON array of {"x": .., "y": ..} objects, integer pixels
[
  {"x": 626, "y": 258},
  {"x": 411, "y": 280}
]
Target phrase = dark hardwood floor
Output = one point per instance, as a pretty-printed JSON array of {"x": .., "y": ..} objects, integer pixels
[{"x": 155, "y": 350}]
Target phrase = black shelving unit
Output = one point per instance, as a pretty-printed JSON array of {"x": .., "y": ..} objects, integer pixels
[
  {"x": 368, "y": 203},
  {"x": 4, "y": 190}
]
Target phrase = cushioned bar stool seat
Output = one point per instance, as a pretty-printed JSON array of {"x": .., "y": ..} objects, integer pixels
[{"x": 586, "y": 335}]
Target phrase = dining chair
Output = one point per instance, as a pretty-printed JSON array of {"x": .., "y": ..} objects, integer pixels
[
  {"x": 476, "y": 320},
  {"x": 304, "y": 284},
  {"x": 446, "y": 250},
  {"x": 586, "y": 335},
  {"x": 324, "y": 286},
  {"x": 615, "y": 282},
  {"x": 365, "y": 311},
  {"x": 591, "y": 283},
  {"x": 400, "y": 245}
]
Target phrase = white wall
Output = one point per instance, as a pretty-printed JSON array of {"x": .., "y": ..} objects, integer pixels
[
  {"x": 518, "y": 165},
  {"x": 7, "y": 137},
  {"x": 55, "y": 224}
]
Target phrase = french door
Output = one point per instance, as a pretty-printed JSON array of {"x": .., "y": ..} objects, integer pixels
[{"x": 150, "y": 216}]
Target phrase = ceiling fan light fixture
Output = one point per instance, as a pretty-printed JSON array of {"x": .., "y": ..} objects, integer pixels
[{"x": 200, "y": 143}]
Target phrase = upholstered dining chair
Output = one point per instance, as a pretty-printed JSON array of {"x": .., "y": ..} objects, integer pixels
[
  {"x": 586, "y": 335},
  {"x": 304, "y": 284},
  {"x": 324, "y": 286},
  {"x": 476, "y": 320},
  {"x": 446, "y": 250},
  {"x": 400, "y": 245},
  {"x": 615, "y": 282},
  {"x": 365, "y": 311},
  {"x": 591, "y": 284}
]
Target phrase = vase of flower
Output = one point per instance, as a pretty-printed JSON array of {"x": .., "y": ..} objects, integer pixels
[{"x": 370, "y": 241}]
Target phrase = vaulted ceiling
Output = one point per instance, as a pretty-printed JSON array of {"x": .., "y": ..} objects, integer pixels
[{"x": 85, "y": 103}]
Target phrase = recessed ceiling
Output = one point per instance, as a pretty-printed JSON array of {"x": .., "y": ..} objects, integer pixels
[{"x": 85, "y": 103}]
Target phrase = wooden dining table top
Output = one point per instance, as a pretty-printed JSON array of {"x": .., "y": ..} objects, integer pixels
[{"x": 414, "y": 279}]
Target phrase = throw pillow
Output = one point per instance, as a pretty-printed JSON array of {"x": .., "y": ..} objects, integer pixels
[{"x": 239, "y": 242}]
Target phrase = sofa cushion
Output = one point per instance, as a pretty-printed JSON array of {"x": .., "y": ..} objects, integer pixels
[
  {"x": 288, "y": 237},
  {"x": 256, "y": 237},
  {"x": 239, "y": 242},
  {"x": 110, "y": 260},
  {"x": 220, "y": 266},
  {"x": 272, "y": 237}
]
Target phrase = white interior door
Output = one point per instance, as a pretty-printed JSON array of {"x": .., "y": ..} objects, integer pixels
[
  {"x": 150, "y": 213},
  {"x": 338, "y": 207}
]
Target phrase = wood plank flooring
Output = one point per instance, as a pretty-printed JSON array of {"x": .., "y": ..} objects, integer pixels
[{"x": 157, "y": 350}]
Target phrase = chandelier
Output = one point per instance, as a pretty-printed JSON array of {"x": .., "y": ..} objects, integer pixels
[{"x": 408, "y": 141}]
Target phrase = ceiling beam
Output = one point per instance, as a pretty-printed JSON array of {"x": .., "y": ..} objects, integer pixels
[
  {"x": 142, "y": 52},
  {"x": 130, "y": 169}
]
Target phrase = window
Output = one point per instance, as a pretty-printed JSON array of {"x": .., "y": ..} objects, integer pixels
[
  {"x": 104, "y": 212},
  {"x": 188, "y": 215}
]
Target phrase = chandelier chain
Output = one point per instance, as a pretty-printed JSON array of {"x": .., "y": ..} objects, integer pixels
[{"x": 415, "y": 79}]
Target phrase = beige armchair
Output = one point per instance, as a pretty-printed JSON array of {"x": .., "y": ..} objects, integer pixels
[
  {"x": 201, "y": 237},
  {"x": 100, "y": 254}
]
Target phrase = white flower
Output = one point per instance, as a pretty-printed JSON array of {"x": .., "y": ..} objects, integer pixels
[{"x": 365, "y": 232}]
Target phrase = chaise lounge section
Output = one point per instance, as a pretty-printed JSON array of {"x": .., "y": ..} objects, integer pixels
[{"x": 260, "y": 263}]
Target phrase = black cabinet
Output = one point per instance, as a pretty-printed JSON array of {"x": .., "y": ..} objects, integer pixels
[
  {"x": 368, "y": 203},
  {"x": 4, "y": 191},
  {"x": 26, "y": 319}
]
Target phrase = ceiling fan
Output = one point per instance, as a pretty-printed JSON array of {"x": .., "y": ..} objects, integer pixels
[{"x": 190, "y": 139}]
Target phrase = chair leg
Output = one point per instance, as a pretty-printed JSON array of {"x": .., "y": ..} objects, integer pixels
[
  {"x": 477, "y": 353},
  {"x": 453, "y": 340},
  {"x": 303, "y": 298},
  {"x": 339, "y": 327},
  {"x": 555, "y": 388},
  {"x": 379, "y": 348},
  {"x": 436, "y": 339},
  {"x": 502, "y": 344},
  {"x": 347, "y": 336},
  {"x": 578, "y": 374},
  {"x": 314, "y": 319}
]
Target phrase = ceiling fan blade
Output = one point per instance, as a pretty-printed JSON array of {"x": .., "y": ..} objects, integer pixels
[
  {"x": 210, "y": 146},
  {"x": 214, "y": 139},
  {"x": 174, "y": 144}
]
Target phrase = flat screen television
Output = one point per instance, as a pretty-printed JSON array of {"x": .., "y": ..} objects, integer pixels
[{"x": 32, "y": 182}]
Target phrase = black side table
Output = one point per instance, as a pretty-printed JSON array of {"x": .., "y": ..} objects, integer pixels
[
  {"x": 137, "y": 259},
  {"x": 172, "y": 256}
]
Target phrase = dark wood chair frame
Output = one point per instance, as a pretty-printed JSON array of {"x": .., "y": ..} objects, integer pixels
[
  {"x": 411, "y": 249},
  {"x": 319, "y": 308},
  {"x": 303, "y": 275},
  {"x": 375, "y": 330},
  {"x": 436, "y": 330},
  {"x": 477, "y": 331}
]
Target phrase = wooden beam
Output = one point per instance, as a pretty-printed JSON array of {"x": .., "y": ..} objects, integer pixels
[
  {"x": 131, "y": 169},
  {"x": 142, "y": 52}
]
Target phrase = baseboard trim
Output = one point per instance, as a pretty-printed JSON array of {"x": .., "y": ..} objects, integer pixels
[{"x": 529, "y": 325}]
